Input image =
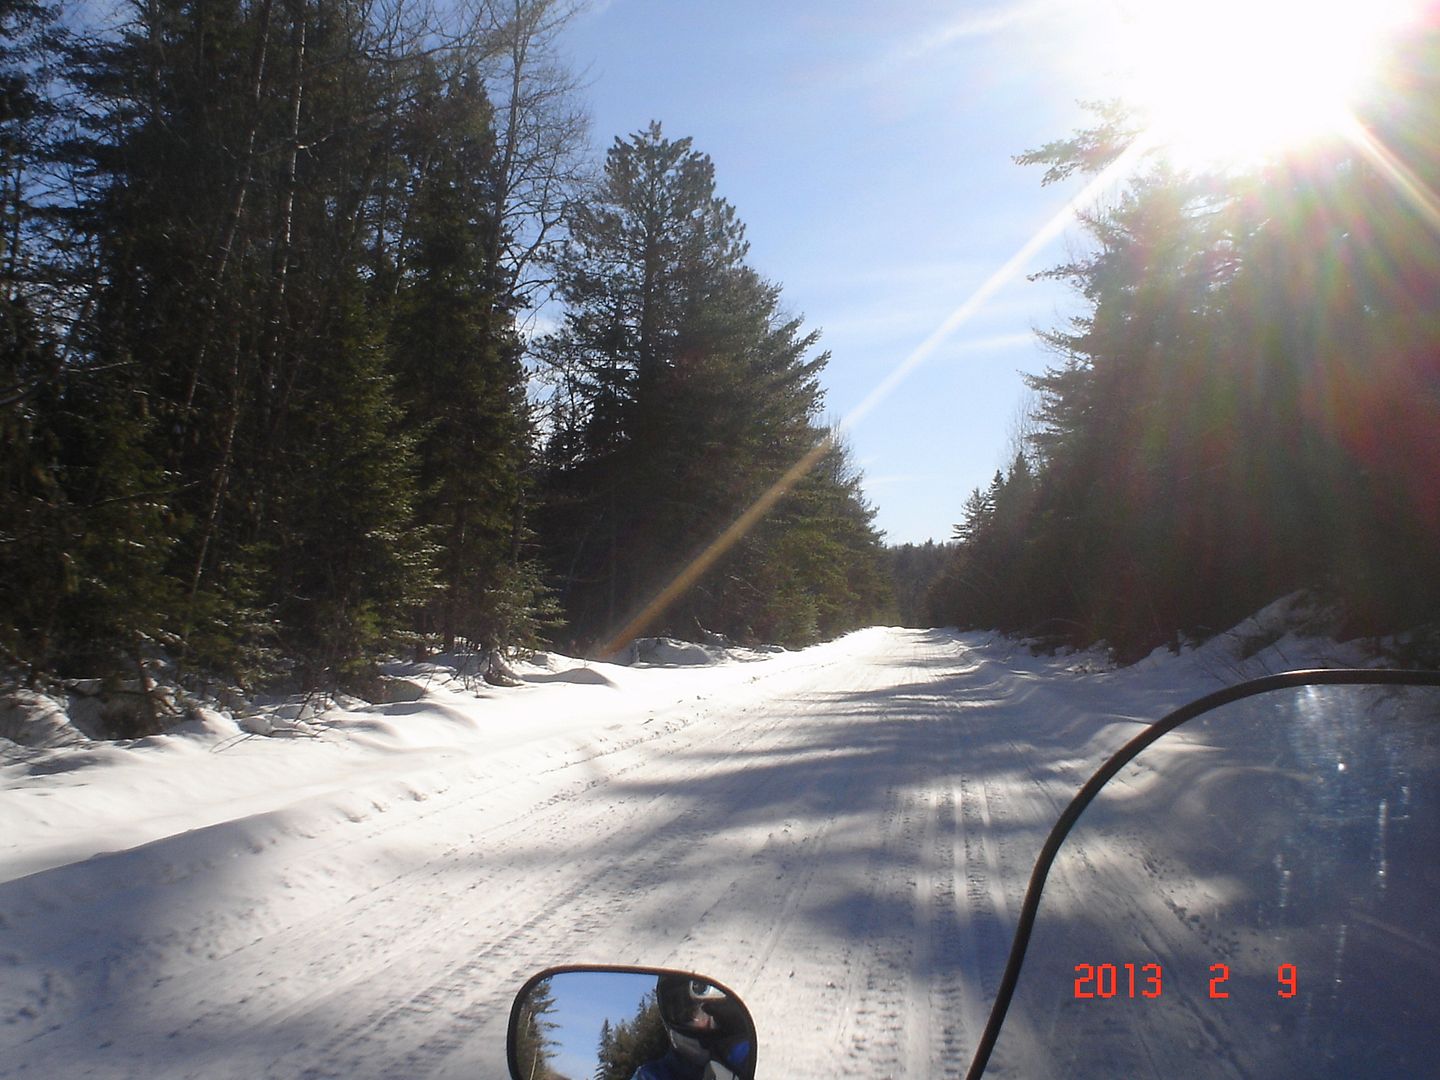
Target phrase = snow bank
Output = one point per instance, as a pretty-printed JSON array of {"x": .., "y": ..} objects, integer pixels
[
  {"x": 31, "y": 719},
  {"x": 667, "y": 652}
]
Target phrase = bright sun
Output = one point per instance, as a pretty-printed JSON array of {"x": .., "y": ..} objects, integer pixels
[{"x": 1224, "y": 83}]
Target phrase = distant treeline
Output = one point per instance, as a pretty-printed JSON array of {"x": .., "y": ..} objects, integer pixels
[
  {"x": 269, "y": 402},
  {"x": 1249, "y": 405},
  {"x": 914, "y": 570}
]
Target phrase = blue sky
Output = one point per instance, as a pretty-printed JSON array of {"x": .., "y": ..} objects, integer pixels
[
  {"x": 584, "y": 1000},
  {"x": 868, "y": 147}
]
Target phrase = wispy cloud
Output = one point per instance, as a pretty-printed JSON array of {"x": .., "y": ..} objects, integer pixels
[
  {"x": 997, "y": 19},
  {"x": 978, "y": 24}
]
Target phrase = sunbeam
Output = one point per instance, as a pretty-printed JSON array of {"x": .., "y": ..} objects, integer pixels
[{"x": 902, "y": 371}]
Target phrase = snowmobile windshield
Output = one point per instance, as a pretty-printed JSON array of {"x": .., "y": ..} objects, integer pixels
[{"x": 1255, "y": 894}]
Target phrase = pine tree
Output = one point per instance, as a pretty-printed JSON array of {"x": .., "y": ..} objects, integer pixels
[
  {"x": 348, "y": 565},
  {"x": 627, "y": 1044},
  {"x": 457, "y": 355},
  {"x": 633, "y": 278},
  {"x": 534, "y": 1041},
  {"x": 270, "y": 282},
  {"x": 29, "y": 357},
  {"x": 1238, "y": 414},
  {"x": 688, "y": 393},
  {"x": 229, "y": 291},
  {"x": 85, "y": 540},
  {"x": 914, "y": 571}
]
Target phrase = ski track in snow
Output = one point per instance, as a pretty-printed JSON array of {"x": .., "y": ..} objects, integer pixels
[{"x": 842, "y": 835}]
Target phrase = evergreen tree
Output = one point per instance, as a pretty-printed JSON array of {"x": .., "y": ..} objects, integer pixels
[
  {"x": 1239, "y": 412},
  {"x": 688, "y": 392},
  {"x": 628, "y": 1044},
  {"x": 914, "y": 571},
  {"x": 275, "y": 283},
  {"x": 29, "y": 357},
  {"x": 84, "y": 544},
  {"x": 348, "y": 566},
  {"x": 184, "y": 211},
  {"x": 82, "y": 554},
  {"x": 457, "y": 355},
  {"x": 812, "y": 569},
  {"x": 534, "y": 1041}
]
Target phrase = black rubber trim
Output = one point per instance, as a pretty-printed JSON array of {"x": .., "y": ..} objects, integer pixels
[{"x": 1106, "y": 772}]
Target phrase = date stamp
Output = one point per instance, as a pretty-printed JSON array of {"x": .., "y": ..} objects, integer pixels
[{"x": 1148, "y": 981}]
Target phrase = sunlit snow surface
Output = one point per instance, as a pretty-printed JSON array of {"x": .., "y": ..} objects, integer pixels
[{"x": 842, "y": 835}]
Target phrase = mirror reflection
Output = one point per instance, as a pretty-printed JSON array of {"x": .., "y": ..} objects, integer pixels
[{"x": 629, "y": 1024}]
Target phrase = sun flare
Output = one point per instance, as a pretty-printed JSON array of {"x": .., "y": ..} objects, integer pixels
[{"x": 1227, "y": 82}]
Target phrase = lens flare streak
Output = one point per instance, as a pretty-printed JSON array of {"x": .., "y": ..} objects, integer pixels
[
  {"x": 1410, "y": 186},
  {"x": 1012, "y": 267}
]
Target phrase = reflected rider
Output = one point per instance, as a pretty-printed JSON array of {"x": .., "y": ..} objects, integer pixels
[{"x": 709, "y": 1031}]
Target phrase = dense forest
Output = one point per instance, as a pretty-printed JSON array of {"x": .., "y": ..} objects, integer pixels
[
  {"x": 1249, "y": 404},
  {"x": 914, "y": 572},
  {"x": 271, "y": 403},
  {"x": 275, "y": 403}
]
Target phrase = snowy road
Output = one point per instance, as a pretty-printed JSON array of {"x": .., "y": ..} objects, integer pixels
[{"x": 842, "y": 835}]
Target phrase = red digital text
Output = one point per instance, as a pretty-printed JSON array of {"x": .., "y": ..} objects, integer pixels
[{"x": 1131, "y": 981}]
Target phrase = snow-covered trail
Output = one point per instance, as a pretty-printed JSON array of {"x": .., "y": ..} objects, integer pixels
[{"x": 842, "y": 835}]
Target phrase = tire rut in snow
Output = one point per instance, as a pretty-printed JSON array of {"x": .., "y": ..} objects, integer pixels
[
  {"x": 575, "y": 911},
  {"x": 989, "y": 936},
  {"x": 880, "y": 957},
  {"x": 951, "y": 998}
]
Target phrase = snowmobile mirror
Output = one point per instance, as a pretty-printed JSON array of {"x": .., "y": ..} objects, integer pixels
[{"x": 602, "y": 1021}]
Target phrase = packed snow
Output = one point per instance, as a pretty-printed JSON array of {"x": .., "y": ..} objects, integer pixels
[{"x": 841, "y": 834}]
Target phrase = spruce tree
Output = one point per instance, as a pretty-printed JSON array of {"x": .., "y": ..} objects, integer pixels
[
  {"x": 688, "y": 392},
  {"x": 229, "y": 155},
  {"x": 1246, "y": 406},
  {"x": 457, "y": 355},
  {"x": 275, "y": 285}
]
